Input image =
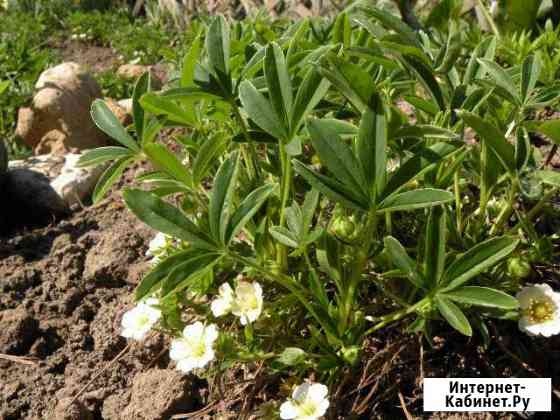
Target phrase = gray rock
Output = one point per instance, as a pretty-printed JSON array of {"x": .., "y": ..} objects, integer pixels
[{"x": 29, "y": 200}]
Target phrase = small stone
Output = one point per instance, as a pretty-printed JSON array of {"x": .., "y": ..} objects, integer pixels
[{"x": 75, "y": 411}]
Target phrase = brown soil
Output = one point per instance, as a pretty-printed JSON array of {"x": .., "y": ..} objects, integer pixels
[
  {"x": 63, "y": 291},
  {"x": 97, "y": 59}
]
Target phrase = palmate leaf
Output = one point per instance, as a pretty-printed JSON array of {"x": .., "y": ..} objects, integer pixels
[
  {"x": 142, "y": 86},
  {"x": 453, "y": 315},
  {"x": 550, "y": 129},
  {"x": 189, "y": 62},
  {"x": 372, "y": 144},
  {"x": 312, "y": 89},
  {"x": 403, "y": 262},
  {"x": 104, "y": 118},
  {"x": 337, "y": 156},
  {"x": 392, "y": 22},
  {"x": 415, "y": 199},
  {"x": 165, "y": 218},
  {"x": 109, "y": 177},
  {"x": 416, "y": 166},
  {"x": 102, "y": 155},
  {"x": 482, "y": 296},
  {"x": 168, "y": 162},
  {"x": 278, "y": 83},
  {"x": 153, "y": 279},
  {"x": 350, "y": 79},
  {"x": 187, "y": 271},
  {"x": 285, "y": 236},
  {"x": 260, "y": 110},
  {"x": 165, "y": 106},
  {"x": 211, "y": 149},
  {"x": 487, "y": 49},
  {"x": 220, "y": 206},
  {"x": 218, "y": 47},
  {"x": 495, "y": 140},
  {"x": 426, "y": 77},
  {"x": 530, "y": 72},
  {"x": 331, "y": 188},
  {"x": 436, "y": 237},
  {"x": 247, "y": 209},
  {"x": 501, "y": 78},
  {"x": 477, "y": 260}
]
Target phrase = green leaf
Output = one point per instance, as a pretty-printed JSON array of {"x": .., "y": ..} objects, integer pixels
[
  {"x": 487, "y": 47},
  {"x": 312, "y": 89},
  {"x": 522, "y": 149},
  {"x": 162, "y": 105},
  {"x": 436, "y": 237},
  {"x": 423, "y": 161},
  {"x": 483, "y": 296},
  {"x": 220, "y": 206},
  {"x": 330, "y": 187},
  {"x": 392, "y": 22},
  {"x": 427, "y": 79},
  {"x": 153, "y": 279},
  {"x": 218, "y": 46},
  {"x": 284, "y": 236},
  {"x": 549, "y": 177},
  {"x": 189, "y": 62},
  {"x": 501, "y": 78},
  {"x": 186, "y": 272},
  {"x": 350, "y": 79},
  {"x": 415, "y": 199},
  {"x": 109, "y": 177},
  {"x": 260, "y": 110},
  {"x": 167, "y": 162},
  {"x": 453, "y": 315},
  {"x": 493, "y": 138},
  {"x": 212, "y": 148},
  {"x": 550, "y": 129},
  {"x": 402, "y": 261},
  {"x": 337, "y": 156},
  {"x": 530, "y": 72},
  {"x": 102, "y": 155},
  {"x": 110, "y": 125},
  {"x": 142, "y": 86},
  {"x": 165, "y": 218},
  {"x": 420, "y": 131},
  {"x": 372, "y": 144},
  {"x": 247, "y": 209},
  {"x": 476, "y": 260},
  {"x": 278, "y": 83}
]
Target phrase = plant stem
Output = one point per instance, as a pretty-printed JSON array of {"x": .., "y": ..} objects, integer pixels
[
  {"x": 360, "y": 263},
  {"x": 483, "y": 179},
  {"x": 458, "y": 203},
  {"x": 507, "y": 210},
  {"x": 251, "y": 158},
  {"x": 395, "y": 316},
  {"x": 282, "y": 258}
]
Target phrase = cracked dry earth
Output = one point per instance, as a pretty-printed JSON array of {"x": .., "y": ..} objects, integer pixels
[{"x": 63, "y": 290}]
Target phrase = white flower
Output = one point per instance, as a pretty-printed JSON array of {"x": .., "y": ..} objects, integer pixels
[
  {"x": 308, "y": 402},
  {"x": 540, "y": 310},
  {"x": 156, "y": 247},
  {"x": 195, "y": 348},
  {"x": 139, "y": 321},
  {"x": 222, "y": 305},
  {"x": 246, "y": 302}
]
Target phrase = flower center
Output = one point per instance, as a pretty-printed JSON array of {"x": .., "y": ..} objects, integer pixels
[
  {"x": 142, "y": 320},
  {"x": 540, "y": 310},
  {"x": 308, "y": 409},
  {"x": 199, "y": 349}
]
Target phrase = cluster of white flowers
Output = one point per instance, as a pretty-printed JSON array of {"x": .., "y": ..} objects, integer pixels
[
  {"x": 308, "y": 402},
  {"x": 540, "y": 310},
  {"x": 194, "y": 349},
  {"x": 245, "y": 302}
]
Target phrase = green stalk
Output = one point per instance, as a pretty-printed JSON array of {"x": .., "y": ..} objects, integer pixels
[
  {"x": 360, "y": 263},
  {"x": 249, "y": 156},
  {"x": 483, "y": 179},
  {"x": 458, "y": 203},
  {"x": 397, "y": 315},
  {"x": 506, "y": 211},
  {"x": 282, "y": 256}
]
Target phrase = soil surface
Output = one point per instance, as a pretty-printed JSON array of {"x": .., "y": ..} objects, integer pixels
[{"x": 63, "y": 290}]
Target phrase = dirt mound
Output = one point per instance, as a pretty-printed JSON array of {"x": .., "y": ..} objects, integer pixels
[{"x": 63, "y": 290}]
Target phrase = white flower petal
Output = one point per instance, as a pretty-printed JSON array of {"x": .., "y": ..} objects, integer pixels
[
  {"x": 288, "y": 411},
  {"x": 317, "y": 392}
]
